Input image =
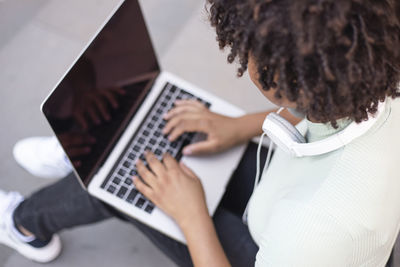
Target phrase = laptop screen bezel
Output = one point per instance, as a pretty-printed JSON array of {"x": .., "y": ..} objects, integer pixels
[{"x": 150, "y": 76}]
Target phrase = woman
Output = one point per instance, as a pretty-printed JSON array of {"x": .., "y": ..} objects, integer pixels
[{"x": 332, "y": 61}]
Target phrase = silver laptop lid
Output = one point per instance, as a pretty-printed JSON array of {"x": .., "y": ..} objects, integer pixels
[{"x": 91, "y": 106}]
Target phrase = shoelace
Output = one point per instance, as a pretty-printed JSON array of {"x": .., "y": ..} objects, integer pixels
[{"x": 267, "y": 161}]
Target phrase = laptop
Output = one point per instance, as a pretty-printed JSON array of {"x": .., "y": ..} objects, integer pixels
[{"x": 108, "y": 109}]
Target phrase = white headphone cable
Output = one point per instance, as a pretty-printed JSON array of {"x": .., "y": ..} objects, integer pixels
[{"x": 266, "y": 164}]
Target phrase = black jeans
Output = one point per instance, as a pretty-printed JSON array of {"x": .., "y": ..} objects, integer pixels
[{"x": 65, "y": 205}]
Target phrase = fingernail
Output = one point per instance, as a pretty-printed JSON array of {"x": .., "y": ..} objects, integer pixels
[{"x": 187, "y": 151}]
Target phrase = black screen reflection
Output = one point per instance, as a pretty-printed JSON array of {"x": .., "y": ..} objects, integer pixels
[
  {"x": 93, "y": 104},
  {"x": 88, "y": 143}
]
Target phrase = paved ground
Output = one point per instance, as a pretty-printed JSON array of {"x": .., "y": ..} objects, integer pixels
[{"x": 39, "y": 40}]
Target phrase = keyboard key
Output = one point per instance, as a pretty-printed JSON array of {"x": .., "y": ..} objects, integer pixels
[
  {"x": 111, "y": 189},
  {"x": 116, "y": 180},
  {"x": 161, "y": 125},
  {"x": 126, "y": 164},
  {"x": 150, "y": 133},
  {"x": 121, "y": 172},
  {"x": 132, "y": 195},
  {"x": 140, "y": 202},
  {"x": 149, "y": 208},
  {"x": 122, "y": 191}
]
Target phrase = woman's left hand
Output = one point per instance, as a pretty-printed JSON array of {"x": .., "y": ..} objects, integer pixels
[{"x": 172, "y": 187}]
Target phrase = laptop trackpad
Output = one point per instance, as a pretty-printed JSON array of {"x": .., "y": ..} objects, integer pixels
[{"x": 214, "y": 172}]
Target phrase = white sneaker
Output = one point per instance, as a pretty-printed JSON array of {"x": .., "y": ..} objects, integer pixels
[
  {"x": 8, "y": 203},
  {"x": 42, "y": 157}
]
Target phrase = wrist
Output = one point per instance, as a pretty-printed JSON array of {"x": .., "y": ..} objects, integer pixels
[
  {"x": 250, "y": 126},
  {"x": 242, "y": 131},
  {"x": 189, "y": 223}
]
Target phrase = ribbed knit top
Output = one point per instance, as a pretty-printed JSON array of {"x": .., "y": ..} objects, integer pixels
[{"x": 337, "y": 209}]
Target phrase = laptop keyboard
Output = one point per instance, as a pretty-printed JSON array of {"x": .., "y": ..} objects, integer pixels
[{"x": 148, "y": 137}]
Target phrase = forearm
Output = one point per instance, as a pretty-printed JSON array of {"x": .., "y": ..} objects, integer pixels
[
  {"x": 251, "y": 124},
  {"x": 204, "y": 246}
]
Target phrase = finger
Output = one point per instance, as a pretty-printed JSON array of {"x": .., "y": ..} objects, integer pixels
[
  {"x": 118, "y": 90},
  {"x": 112, "y": 99},
  {"x": 200, "y": 148},
  {"x": 170, "y": 162},
  {"x": 188, "y": 124},
  {"x": 143, "y": 188},
  {"x": 80, "y": 118},
  {"x": 187, "y": 170},
  {"x": 155, "y": 165},
  {"x": 171, "y": 124},
  {"x": 102, "y": 107},
  {"x": 147, "y": 176},
  {"x": 75, "y": 139},
  {"x": 184, "y": 123},
  {"x": 180, "y": 109},
  {"x": 190, "y": 102},
  {"x": 93, "y": 115},
  {"x": 77, "y": 151}
]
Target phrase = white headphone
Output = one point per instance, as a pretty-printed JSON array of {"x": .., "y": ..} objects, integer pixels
[{"x": 289, "y": 139}]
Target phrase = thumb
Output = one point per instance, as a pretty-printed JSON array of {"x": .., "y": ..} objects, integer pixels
[
  {"x": 187, "y": 170},
  {"x": 199, "y": 148}
]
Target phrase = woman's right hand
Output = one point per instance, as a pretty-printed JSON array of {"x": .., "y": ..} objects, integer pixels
[{"x": 192, "y": 116}]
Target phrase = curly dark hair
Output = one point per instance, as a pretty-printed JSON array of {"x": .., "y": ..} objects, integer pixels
[{"x": 334, "y": 58}]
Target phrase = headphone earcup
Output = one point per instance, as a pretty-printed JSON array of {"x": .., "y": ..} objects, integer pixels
[
  {"x": 282, "y": 133},
  {"x": 292, "y": 131}
]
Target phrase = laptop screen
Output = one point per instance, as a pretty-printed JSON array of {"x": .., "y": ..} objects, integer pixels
[{"x": 94, "y": 102}]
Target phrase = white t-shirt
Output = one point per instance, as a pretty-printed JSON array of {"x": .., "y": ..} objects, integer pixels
[{"x": 337, "y": 209}]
